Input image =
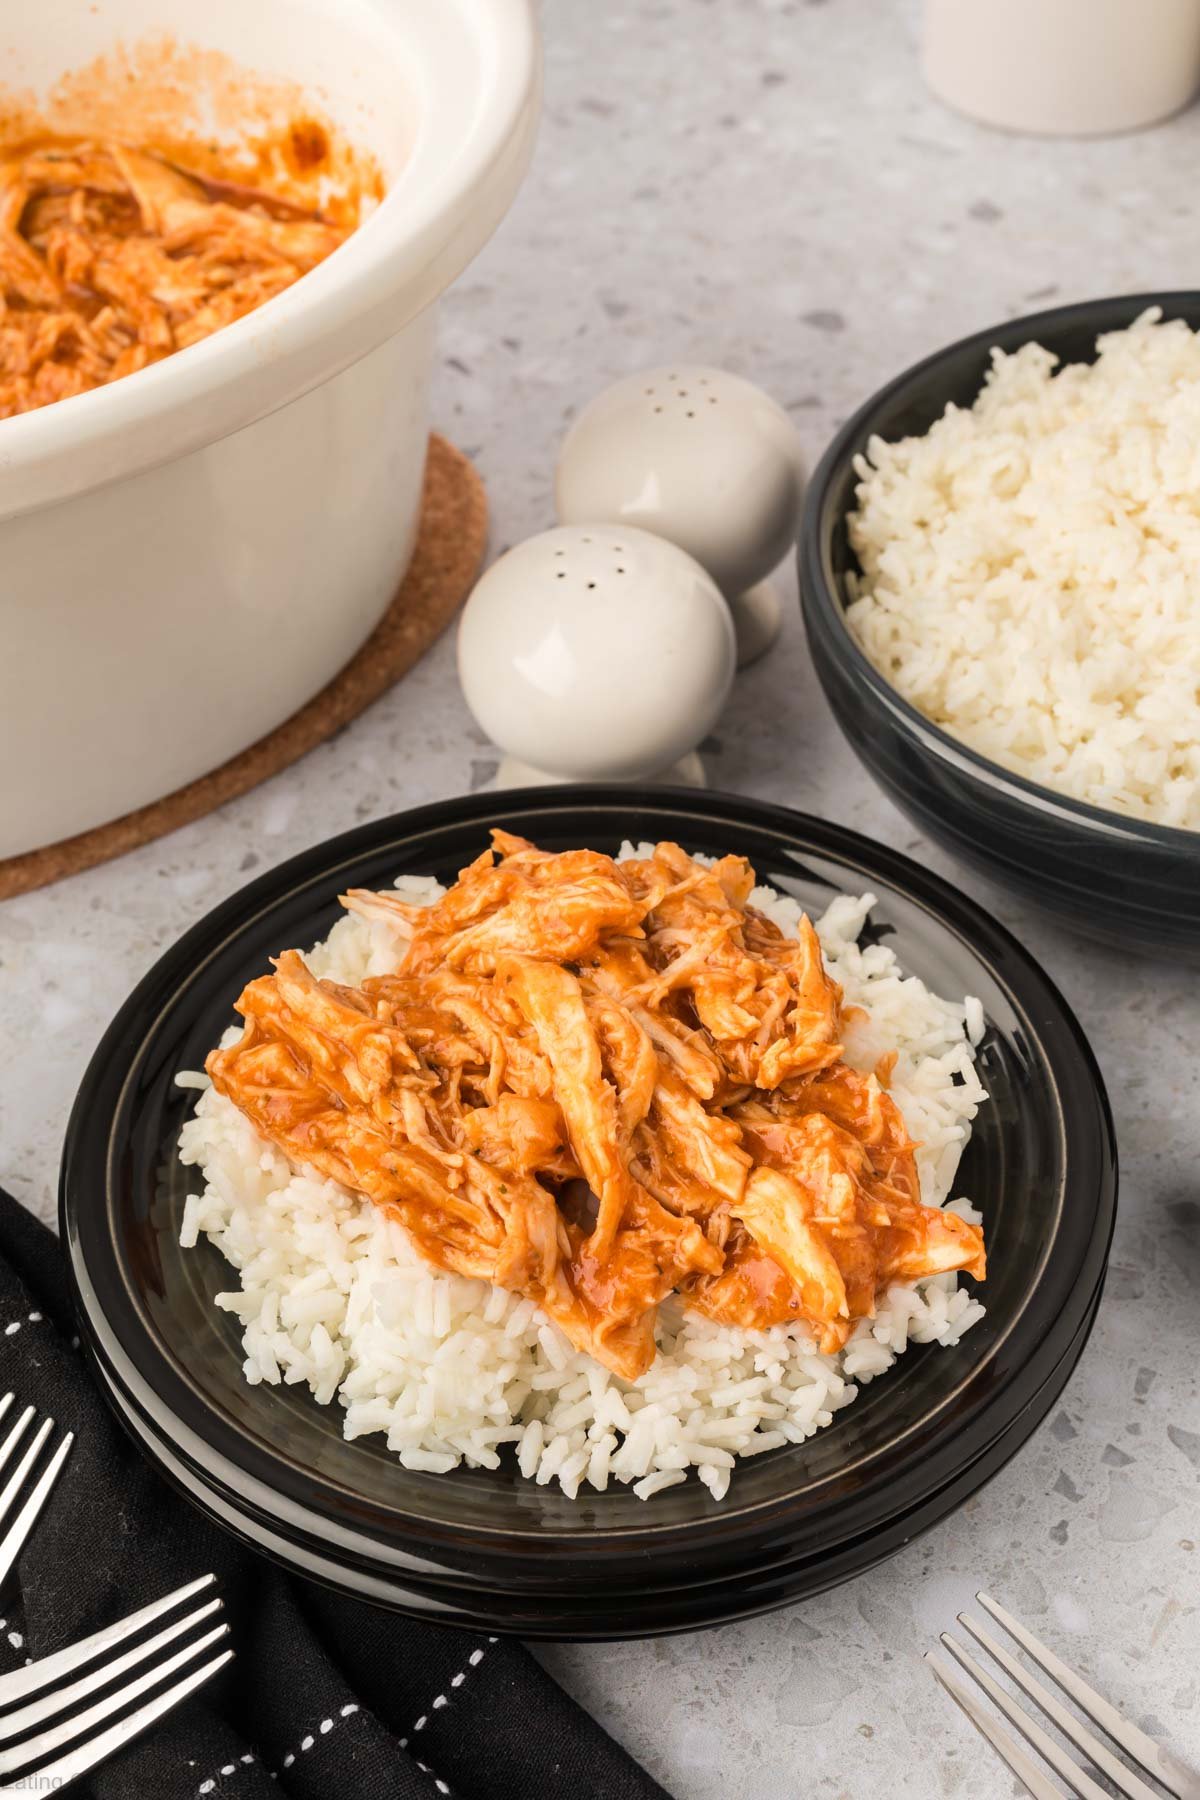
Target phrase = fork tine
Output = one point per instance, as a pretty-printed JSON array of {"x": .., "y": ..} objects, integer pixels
[
  {"x": 17, "y": 1479},
  {"x": 96, "y": 1750},
  {"x": 11, "y": 1441},
  {"x": 50, "y": 1669},
  {"x": 18, "y": 1724},
  {"x": 1165, "y": 1768},
  {"x": 45, "y": 1743},
  {"x": 1123, "y": 1778},
  {"x": 14, "y": 1538},
  {"x": 1029, "y": 1728},
  {"x": 1022, "y": 1766}
]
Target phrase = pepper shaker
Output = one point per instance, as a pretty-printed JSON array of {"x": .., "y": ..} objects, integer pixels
[{"x": 594, "y": 653}]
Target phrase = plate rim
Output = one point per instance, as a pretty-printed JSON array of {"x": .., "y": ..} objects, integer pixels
[{"x": 468, "y": 1610}]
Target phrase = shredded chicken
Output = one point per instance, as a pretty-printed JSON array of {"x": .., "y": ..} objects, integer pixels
[
  {"x": 112, "y": 258},
  {"x": 598, "y": 1083}
]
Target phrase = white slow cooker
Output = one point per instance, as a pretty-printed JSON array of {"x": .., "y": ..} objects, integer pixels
[{"x": 189, "y": 554}]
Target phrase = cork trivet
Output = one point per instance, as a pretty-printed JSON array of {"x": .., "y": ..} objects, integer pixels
[{"x": 449, "y": 550}]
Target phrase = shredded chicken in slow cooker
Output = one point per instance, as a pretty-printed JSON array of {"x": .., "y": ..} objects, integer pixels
[
  {"x": 595, "y": 1082},
  {"x": 112, "y": 258}
]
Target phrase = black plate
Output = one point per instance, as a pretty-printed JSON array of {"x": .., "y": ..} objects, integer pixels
[
  {"x": 1105, "y": 874},
  {"x": 1041, "y": 1163},
  {"x": 643, "y": 1611}
]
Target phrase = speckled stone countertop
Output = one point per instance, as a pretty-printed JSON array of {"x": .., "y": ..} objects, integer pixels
[{"x": 768, "y": 186}]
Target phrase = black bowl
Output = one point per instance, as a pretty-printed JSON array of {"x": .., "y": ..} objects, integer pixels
[
  {"x": 479, "y": 1546},
  {"x": 1111, "y": 876}
]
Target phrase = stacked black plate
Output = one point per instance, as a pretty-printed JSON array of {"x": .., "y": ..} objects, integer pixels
[{"x": 489, "y": 1548}]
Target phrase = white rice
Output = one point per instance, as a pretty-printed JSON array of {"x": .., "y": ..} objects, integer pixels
[
  {"x": 332, "y": 1294},
  {"x": 1031, "y": 570}
]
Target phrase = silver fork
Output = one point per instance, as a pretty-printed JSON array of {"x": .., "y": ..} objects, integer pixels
[
  {"x": 1166, "y": 1769},
  {"x": 41, "y": 1710},
  {"x": 13, "y": 1539},
  {"x": 40, "y": 1705}
]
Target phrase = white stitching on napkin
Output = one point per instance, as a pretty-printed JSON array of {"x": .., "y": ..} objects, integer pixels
[
  {"x": 306, "y": 1743},
  {"x": 473, "y": 1661},
  {"x": 33, "y": 1318},
  {"x": 326, "y": 1725},
  {"x": 209, "y": 1786}
]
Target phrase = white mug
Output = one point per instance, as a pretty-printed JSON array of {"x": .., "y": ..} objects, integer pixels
[{"x": 1074, "y": 68}]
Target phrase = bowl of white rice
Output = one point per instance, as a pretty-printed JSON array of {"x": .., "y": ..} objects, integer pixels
[
  {"x": 432, "y": 1443},
  {"x": 1000, "y": 577}
]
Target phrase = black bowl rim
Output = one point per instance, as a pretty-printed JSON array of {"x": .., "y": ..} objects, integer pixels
[
  {"x": 1046, "y": 1014},
  {"x": 818, "y": 593},
  {"x": 558, "y": 1616}
]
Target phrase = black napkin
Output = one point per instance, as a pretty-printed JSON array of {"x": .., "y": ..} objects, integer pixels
[{"x": 326, "y": 1696}]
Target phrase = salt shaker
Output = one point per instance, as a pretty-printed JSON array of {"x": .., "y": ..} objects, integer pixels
[
  {"x": 704, "y": 459},
  {"x": 594, "y": 652}
]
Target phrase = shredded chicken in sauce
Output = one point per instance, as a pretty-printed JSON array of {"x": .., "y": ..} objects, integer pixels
[
  {"x": 112, "y": 258},
  {"x": 595, "y": 1083}
]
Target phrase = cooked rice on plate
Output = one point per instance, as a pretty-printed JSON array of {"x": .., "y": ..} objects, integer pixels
[{"x": 333, "y": 1293}]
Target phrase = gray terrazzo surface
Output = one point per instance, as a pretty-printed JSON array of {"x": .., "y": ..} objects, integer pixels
[{"x": 768, "y": 186}]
